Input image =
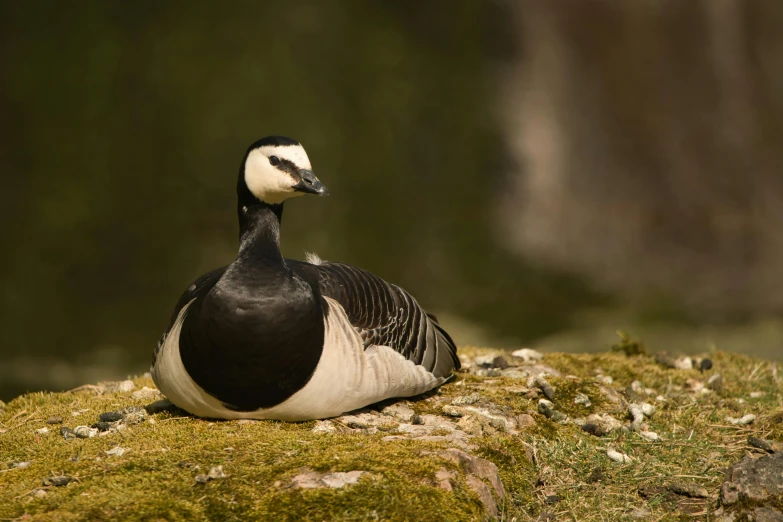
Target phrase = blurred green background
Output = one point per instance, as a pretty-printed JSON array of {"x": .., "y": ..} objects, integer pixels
[{"x": 535, "y": 173}]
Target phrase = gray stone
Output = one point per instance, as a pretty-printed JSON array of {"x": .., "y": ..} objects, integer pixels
[
  {"x": 528, "y": 354},
  {"x": 484, "y": 494},
  {"x": 57, "y": 480},
  {"x": 473, "y": 398},
  {"x": 309, "y": 479},
  {"x": 688, "y": 489},
  {"x": 146, "y": 394},
  {"x": 754, "y": 481},
  {"x": 477, "y": 466},
  {"x": 400, "y": 411}
]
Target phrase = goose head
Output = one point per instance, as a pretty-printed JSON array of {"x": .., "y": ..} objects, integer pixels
[{"x": 277, "y": 168}]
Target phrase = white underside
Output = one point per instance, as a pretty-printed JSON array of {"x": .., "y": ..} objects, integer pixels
[{"x": 347, "y": 377}]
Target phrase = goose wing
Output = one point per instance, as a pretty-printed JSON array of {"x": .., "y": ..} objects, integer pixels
[
  {"x": 384, "y": 314},
  {"x": 199, "y": 288}
]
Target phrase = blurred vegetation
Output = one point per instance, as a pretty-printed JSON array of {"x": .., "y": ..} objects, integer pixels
[
  {"x": 533, "y": 172},
  {"x": 122, "y": 131}
]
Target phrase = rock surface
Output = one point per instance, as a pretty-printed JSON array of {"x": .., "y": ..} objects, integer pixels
[{"x": 753, "y": 489}]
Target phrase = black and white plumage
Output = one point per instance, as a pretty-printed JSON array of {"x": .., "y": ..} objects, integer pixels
[{"x": 273, "y": 338}]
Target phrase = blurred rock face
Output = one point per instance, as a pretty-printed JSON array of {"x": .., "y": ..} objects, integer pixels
[{"x": 647, "y": 144}]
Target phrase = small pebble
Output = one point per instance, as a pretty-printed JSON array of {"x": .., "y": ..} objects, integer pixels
[
  {"x": 20, "y": 465},
  {"x": 102, "y": 426},
  {"x": 216, "y": 473},
  {"x": 761, "y": 444},
  {"x": 583, "y": 399},
  {"x": 540, "y": 382},
  {"x": 617, "y": 456},
  {"x": 85, "y": 432},
  {"x": 715, "y": 382},
  {"x": 452, "y": 411},
  {"x": 202, "y": 479},
  {"x": 79, "y": 412},
  {"x": 324, "y": 426},
  {"x": 688, "y": 489},
  {"x": 547, "y": 408},
  {"x": 637, "y": 416},
  {"x": 649, "y": 436},
  {"x": 756, "y": 394},
  {"x": 42, "y": 431},
  {"x": 648, "y": 409},
  {"x": 110, "y": 416},
  {"x": 39, "y": 493},
  {"x": 54, "y": 420},
  {"x": 742, "y": 421},
  {"x": 705, "y": 364},
  {"x": 117, "y": 451},
  {"x": 473, "y": 398},
  {"x": 146, "y": 394},
  {"x": 552, "y": 499},
  {"x": 500, "y": 362},
  {"x": 67, "y": 433},
  {"x": 528, "y": 354},
  {"x": 57, "y": 480}
]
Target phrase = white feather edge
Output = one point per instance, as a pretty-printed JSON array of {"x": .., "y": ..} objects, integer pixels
[
  {"x": 313, "y": 258},
  {"x": 346, "y": 378}
]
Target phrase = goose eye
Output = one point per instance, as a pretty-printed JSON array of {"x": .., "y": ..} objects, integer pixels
[{"x": 274, "y": 160}]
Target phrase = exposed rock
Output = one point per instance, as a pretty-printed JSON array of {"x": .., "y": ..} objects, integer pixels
[
  {"x": 582, "y": 399},
  {"x": 453, "y": 411},
  {"x": 614, "y": 398},
  {"x": 669, "y": 361},
  {"x": 110, "y": 416},
  {"x": 601, "y": 424},
  {"x": 484, "y": 494},
  {"x": 473, "y": 398},
  {"x": 761, "y": 444},
  {"x": 146, "y": 394},
  {"x": 67, "y": 433},
  {"x": 715, "y": 383},
  {"x": 477, "y": 466},
  {"x": 617, "y": 456},
  {"x": 501, "y": 362},
  {"x": 649, "y": 436},
  {"x": 444, "y": 479},
  {"x": 648, "y": 409},
  {"x": 42, "y": 431},
  {"x": 528, "y": 354},
  {"x": 742, "y": 421},
  {"x": 85, "y": 432},
  {"x": 540, "y": 382},
  {"x": 525, "y": 421},
  {"x": 547, "y": 409},
  {"x": 117, "y": 451},
  {"x": 216, "y": 473},
  {"x": 57, "y": 480},
  {"x": 309, "y": 479},
  {"x": 102, "y": 426},
  {"x": 324, "y": 426},
  {"x": 400, "y": 411},
  {"x": 133, "y": 415},
  {"x": 754, "y": 482},
  {"x": 636, "y": 415},
  {"x": 117, "y": 386},
  {"x": 688, "y": 489}
]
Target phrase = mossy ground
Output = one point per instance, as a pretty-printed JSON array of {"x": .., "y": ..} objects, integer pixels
[{"x": 155, "y": 479}]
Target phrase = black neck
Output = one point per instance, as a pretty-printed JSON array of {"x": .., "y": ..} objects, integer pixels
[{"x": 259, "y": 227}]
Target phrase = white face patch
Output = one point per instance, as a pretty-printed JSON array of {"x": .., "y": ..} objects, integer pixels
[{"x": 267, "y": 182}]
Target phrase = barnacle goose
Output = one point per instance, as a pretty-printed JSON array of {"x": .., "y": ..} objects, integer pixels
[{"x": 273, "y": 338}]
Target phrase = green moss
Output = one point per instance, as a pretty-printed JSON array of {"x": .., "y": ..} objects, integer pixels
[{"x": 155, "y": 480}]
